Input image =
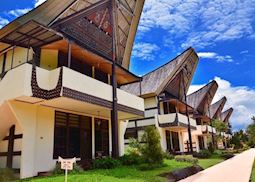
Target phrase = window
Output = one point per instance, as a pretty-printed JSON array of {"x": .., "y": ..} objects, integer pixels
[
  {"x": 201, "y": 142},
  {"x": 168, "y": 108},
  {"x": 75, "y": 64},
  {"x": 175, "y": 141},
  {"x": 72, "y": 137},
  {"x": 101, "y": 137},
  {"x": 199, "y": 122},
  {"x": 101, "y": 76},
  {"x": 131, "y": 133}
]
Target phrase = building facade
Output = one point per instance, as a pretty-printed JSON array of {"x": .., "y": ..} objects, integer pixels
[
  {"x": 164, "y": 91},
  {"x": 61, "y": 68}
]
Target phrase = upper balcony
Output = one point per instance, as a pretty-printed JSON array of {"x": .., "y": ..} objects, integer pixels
[
  {"x": 176, "y": 120},
  {"x": 204, "y": 130},
  {"x": 64, "y": 88}
]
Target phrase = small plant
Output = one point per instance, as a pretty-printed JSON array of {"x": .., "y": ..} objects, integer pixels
[
  {"x": 203, "y": 154},
  {"x": 106, "y": 163},
  {"x": 7, "y": 175},
  {"x": 151, "y": 150},
  {"x": 167, "y": 155},
  {"x": 134, "y": 147},
  {"x": 76, "y": 169},
  {"x": 186, "y": 158},
  {"x": 129, "y": 160}
]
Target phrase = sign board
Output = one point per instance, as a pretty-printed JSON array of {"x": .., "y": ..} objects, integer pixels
[{"x": 67, "y": 164}]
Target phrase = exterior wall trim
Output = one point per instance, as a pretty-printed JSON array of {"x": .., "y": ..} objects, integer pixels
[{"x": 73, "y": 94}]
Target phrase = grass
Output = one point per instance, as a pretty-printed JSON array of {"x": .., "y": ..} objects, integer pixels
[
  {"x": 127, "y": 173},
  {"x": 253, "y": 173},
  {"x": 213, "y": 160}
]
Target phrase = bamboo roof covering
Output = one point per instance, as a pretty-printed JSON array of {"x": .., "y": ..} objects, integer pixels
[
  {"x": 226, "y": 115},
  {"x": 167, "y": 77},
  {"x": 216, "y": 108},
  {"x": 127, "y": 16},
  {"x": 201, "y": 99},
  {"x": 31, "y": 34}
]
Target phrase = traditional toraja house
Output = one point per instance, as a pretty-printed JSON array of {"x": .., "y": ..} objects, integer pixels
[
  {"x": 60, "y": 66},
  {"x": 164, "y": 91},
  {"x": 225, "y": 116},
  {"x": 216, "y": 108},
  {"x": 215, "y": 114},
  {"x": 201, "y": 100}
]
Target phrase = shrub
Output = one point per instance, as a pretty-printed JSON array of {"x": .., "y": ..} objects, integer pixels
[
  {"x": 203, "y": 154},
  {"x": 129, "y": 160},
  {"x": 7, "y": 175},
  {"x": 151, "y": 150},
  {"x": 227, "y": 155},
  {"x": 167, "y": 155},
  {"x": 106, "y": 163},
  {"x": 76, "y": 169},
  {"x": 211, "y": 147},
  {"x": 186, "y": 158},
  {"x": 134, "y": 147}
]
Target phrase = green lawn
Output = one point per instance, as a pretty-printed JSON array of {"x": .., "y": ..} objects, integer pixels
[
  {"x": 127, "y": 174},
  {"x": 205, "y": 163},
  {"x": 253, "y": 173}
]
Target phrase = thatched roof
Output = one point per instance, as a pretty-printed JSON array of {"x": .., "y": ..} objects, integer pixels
[
  {"x": 202, "y": 98},
  {"x": 226, "y": 115},
  {"x": 128, "y": 15},
  {"x": 216, "y": 108},
  {"x": 168, "y": 77}
]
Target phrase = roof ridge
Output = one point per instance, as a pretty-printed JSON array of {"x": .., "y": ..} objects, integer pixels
[
  {"x": 190, "y": 48},
  {"x": 213, "y": 81}
]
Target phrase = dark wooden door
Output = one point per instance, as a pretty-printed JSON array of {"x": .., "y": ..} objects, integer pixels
[
  {"x": 175, "y": 141},
  {"x": 101, "y": 137},
  {"x": 168, "y": 141},
  {"x": 86, "y": 138}
]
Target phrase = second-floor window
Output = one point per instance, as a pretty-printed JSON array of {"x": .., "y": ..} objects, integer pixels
[{"x": 169, "y": 108}]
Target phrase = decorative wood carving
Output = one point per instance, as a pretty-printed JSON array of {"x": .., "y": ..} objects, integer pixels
[{"x": 42, "y": 93}]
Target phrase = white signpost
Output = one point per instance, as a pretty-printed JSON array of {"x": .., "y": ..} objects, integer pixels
[{"x": 67, "y": 165}]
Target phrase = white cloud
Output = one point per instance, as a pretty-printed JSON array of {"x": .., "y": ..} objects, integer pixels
[
  {"x": 244, "y": 52},
  {"x": 18, "y": 12},
  {"x": 215, "y": 56},
  {"x": 39, "y": 2},
  {"x": 241, "y": 98},
  {"x": 202, "y": 23},
  {"x": 145, "y": 51},
  {"x": 3, "y": 22}
]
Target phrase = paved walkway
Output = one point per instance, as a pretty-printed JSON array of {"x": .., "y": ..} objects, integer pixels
[{"x": 236, "y": 169}]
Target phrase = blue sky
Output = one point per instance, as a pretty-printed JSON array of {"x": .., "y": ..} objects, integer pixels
[{"x": 221, "y": 31}]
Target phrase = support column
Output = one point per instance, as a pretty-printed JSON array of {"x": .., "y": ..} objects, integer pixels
[
  {"x": 209, "y": 113},
  {"x": 10, "y": 147},
  {"x": 187, "y": 114},
  {"x": 13, "y": 48},
  {"x": 114, "y": 113},
  {"x": 69, "y": 54}
]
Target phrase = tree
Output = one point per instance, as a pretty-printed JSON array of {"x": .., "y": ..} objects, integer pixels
[
  {"x": 151, "y": 150},
  {"x": 239, "y": 139},
  {"x": 251, "y": 133},
  {"x": 219, "y": 125}
]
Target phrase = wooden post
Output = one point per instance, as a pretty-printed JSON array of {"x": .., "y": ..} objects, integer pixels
[
  {"x": 187, "y": 114},
  {"x": 13, "y": 48},
  {"x": 10, "y": 147},
  {"x": 114, "y": 113},
  {"x": 69, "y": 54},
  {"x": 209, "y": 113},
  {"x": 28, "y": 47}
]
